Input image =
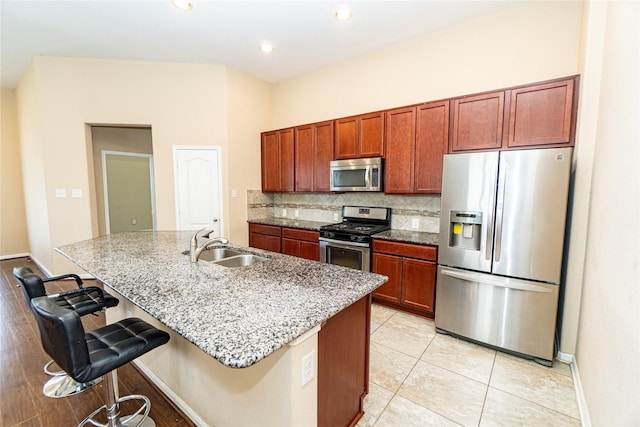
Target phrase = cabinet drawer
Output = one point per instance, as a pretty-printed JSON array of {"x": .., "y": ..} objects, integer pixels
[
  {"x": 406, "y": 249},
  {"x": 270, "y": 230},
  {"x": 296, "y": 233}
]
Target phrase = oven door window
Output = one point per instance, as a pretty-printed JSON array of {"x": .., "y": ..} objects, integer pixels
[
  {"x": 348, "y": 178},
  {"x": 345, "y": 257}
]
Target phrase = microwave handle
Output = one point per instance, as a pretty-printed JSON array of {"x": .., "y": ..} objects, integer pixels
[{"x": 367, "y": 176}]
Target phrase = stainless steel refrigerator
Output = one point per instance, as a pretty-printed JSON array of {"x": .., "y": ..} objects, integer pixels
[{"x": 502, "y": 229}]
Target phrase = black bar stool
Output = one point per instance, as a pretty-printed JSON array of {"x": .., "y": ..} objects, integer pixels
[
  {"x": 83, "y": 301},
  {"x": 87, "y": 356}
]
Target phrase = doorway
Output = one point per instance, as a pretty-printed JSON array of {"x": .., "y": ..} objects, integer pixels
[
  {"x": 198, "y": 188},
  {"x": 128, "y": 191},
  {"x": 124, "y": 140}
]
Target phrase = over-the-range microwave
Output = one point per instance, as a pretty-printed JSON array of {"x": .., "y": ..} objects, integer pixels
[{"x": 356, "y": 174}]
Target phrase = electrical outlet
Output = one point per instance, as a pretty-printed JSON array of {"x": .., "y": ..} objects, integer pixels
[
  {"x": 284, "y": 212},
  {"x": 76, "y": 193},
  {"x": 61, "y": 193},
  {"x": 296, "y": 213},
  {"x": 308, "y": 367},
  {"x": 234, "y": 193},
  {"x": 335, "y": 216},
  {"x": 415, "y": 223},
  {"x": 134, "y": 222}
]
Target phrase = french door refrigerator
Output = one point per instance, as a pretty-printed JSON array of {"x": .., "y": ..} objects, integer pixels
[{"x": 501, "y": 245}]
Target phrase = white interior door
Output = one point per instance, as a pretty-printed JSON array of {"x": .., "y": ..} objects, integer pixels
[{"x": 198, "y": 192}]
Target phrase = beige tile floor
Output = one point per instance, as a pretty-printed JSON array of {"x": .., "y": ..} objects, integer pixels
[{"x": 421, "y": 378}]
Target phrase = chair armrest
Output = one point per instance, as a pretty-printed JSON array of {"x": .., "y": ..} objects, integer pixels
[{"x": 65, "y": 276}]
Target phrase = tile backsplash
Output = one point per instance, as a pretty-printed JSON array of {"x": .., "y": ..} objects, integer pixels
[{"x": 322, "y": 207}]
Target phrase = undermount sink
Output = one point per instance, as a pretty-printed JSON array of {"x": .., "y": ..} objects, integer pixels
[
  {"x": 240, "y": 260},
  {"x": 215, "y": 254}
]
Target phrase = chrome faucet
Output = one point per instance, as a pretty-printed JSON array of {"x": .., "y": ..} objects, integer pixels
[{"x": 195, "y": 250}]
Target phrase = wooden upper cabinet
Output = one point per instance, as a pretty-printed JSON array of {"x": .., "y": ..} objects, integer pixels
[
  {"x": 277, "y": 161},
  {"x": 416, "y": 140},
  {"x": 304, "y": 158},
  {"x": 400, "y": 137},
  {"x": 477, "y": 122},
  {"x": 313, "y": 153},
  {"x": 541, "y": 114},
  {"x": 360, "y": 136},
  {"x": 432, "y": 141}
]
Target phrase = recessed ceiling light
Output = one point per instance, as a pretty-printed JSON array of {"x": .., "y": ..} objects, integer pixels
[
  {"x": 182, "y": 4},
  {"x": 342, "y": 14},
  {"x": 265, "y": 47}
]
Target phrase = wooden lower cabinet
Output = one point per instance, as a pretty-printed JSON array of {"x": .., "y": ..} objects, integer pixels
[
  {"x": 301, "y": 243},
  {"x": 412, "y": 276},
  {"x": 343, "y": 365},
  {"x": 266, "y": 237}
]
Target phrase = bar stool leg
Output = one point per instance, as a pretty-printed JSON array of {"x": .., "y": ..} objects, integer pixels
[{"x": 140, "y": 418}]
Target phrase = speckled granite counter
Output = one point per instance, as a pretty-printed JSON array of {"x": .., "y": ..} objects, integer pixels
[
  {"x": 415, "y": 237},
  {"x": 237, "y": 315},
  {"x": 292, "y": 223}
]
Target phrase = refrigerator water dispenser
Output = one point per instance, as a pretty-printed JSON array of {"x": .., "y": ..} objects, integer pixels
[{"x": 465, "y": 230}]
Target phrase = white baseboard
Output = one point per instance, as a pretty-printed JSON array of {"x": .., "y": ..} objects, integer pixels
[
  {"x": 577, "y": 384},
  {"x": 193, "y": 416}
]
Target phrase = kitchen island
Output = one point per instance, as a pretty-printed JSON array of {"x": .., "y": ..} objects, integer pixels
[{"x": 265, "y": 344}]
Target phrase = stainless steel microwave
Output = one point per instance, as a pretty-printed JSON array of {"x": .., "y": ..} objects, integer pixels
[{"x": 356, "y": 174}]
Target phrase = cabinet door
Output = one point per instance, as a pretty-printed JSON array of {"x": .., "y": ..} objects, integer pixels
[
  {"x": 263, "y": 241},
  {"x": 400, "y": 136},
  {"x": 418, "y": 284},
  {"x": 432, "y": 139},
  {"x": 371, "y": 138},
  {"x": 309, "y": 250},
  {"x": 286, "y": 160},
  {"x": 541, "y": 114},
  {"x": 270, "y": 161},
  {"x": 346, "y": 138},
  {"x": 322, "y": 156},
  {"x": 477, "y": 122},
  {"x": 291, "y": 247},
  {"x": 390, "y": 266},
  {"x": 304, "y": 155}
]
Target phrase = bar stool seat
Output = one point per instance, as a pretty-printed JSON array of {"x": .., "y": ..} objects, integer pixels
[
  {"x": 84, "y": 300},
  {"x": 90, "y": 355}
]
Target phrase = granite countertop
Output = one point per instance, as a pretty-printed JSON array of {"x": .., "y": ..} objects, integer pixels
[
  {"x": 292, "y": 223},
  {"x": 237, "y": 315},
  {"x": 415, "y": 237}
]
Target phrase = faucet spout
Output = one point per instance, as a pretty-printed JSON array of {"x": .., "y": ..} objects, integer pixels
[{"x": 195, "y": 250}]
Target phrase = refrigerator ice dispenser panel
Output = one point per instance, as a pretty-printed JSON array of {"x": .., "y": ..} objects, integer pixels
[{"x": 465, "y": 230}]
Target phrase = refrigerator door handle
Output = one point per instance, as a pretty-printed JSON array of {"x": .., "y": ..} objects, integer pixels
[
  {"x": 500, "y": 211},
  {"x": 489, "y": 224},
  {"x": 503, "y": 283}
]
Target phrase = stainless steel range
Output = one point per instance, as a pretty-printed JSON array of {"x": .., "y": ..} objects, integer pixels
[{"x": 348, "y": 243}]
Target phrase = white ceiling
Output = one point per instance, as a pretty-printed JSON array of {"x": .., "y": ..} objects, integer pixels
[{"x": 304, "y": 33}]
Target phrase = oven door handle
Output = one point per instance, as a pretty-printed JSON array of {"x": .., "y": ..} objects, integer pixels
[{"x": 343, "y": 244}]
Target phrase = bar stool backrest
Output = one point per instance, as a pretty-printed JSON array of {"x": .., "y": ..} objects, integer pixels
[
  {"x": 31, "y": 284},
  {"x": 62, "y": 336}
]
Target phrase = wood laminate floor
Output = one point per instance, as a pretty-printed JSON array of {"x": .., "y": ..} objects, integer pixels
[{"x": 22, "y": 359}]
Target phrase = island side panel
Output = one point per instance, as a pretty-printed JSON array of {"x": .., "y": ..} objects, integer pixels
[
  {"x": 211, "y": 394},
  {"x": 343, "y": 365}
]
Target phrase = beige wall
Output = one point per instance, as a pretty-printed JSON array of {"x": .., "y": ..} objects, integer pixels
[
  {"x": 249, "y": 113},
  {"x": 184, "y": 104},
  {"x": 13, "y": 222},
  {"x": 527, "y": 42},
  {"x": 608, "y": 342}
]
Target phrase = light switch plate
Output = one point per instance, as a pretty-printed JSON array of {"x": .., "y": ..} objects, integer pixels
[
  {"x": 234, "y": 193},
  {"x": 76, "y": 193},
  {"x": 284, "y": 212},
  {"x": 415, "y": 223},
  {"x": 61, "y": 193}
]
